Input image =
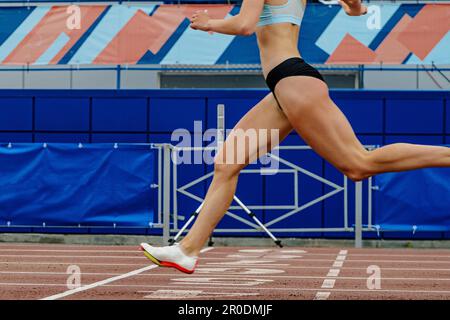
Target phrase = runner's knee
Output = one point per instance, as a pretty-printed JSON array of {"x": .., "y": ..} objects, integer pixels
[
  {"x": 357, "y": 167},
  {"x": 226, "y": 170}
]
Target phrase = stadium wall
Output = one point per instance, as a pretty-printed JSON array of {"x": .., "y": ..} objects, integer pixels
[{"x": 150, "y": 116}]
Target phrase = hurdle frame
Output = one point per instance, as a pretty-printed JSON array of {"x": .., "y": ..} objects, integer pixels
[{"x": 168, "y": 197}]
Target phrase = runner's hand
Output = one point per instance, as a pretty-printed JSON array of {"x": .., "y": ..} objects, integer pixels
[
  {"x": 355, "y": 10},
  {"x": 200, "y": 20}
]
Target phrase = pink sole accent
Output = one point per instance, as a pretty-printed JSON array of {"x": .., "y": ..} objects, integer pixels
[
  {"x": 178, "y": 267},
  {"x": 174, "y": 265}
]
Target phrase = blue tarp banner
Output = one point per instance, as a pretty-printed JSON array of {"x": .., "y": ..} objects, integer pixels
[
  {"x": 414, "y": 201},
  {"x": 76, "y": 185}
]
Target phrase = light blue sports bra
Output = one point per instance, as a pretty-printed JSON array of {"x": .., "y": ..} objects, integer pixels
[{"x": 292, "y": 12}]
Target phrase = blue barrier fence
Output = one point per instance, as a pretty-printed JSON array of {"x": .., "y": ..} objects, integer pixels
[
  {"x": 147, "y": 116},
  {"x": 414, "y": 201},
  {"x": 77, "y": 186}
]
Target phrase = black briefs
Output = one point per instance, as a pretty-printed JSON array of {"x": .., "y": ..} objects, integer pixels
[{"x": 291, "y": 67}]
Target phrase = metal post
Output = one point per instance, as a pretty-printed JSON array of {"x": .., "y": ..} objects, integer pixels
[
  {"x": 160, "y": 186},
  {"x": 345, "y": 202},
  {"x": 166, "y": 194},
  {"x": 369, "y": 202},
  {"x": 220, "y": 125},
  {"x": 358, "y": 214},
  {"x": 175, "y": 191}
]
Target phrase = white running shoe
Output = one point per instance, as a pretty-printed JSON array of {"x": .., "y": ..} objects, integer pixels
[{"x": 170, "y": 256}]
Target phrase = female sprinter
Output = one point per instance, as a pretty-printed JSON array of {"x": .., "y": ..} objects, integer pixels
[{"x": 298, "y": 100}]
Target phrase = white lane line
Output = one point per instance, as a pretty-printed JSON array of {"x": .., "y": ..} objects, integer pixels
[
  {"x": 328, "y": 283},
  {"x": 99, "y": 283},
  {"x": 151, "y": 287},
  {"x": 133, "y": 251},
  {"x": 136, "y": 256},
  {"x": 69, "y": 263},
  {"x": 189, "y": 294},
  {"x": 71, "y": 256},
  {"x": 290, "y": 289},
  {"x": 108, "y": 248},
  {"x": 105, "y": 282},
  {"x": 332, "y": 275},
  {"x": 294, "y": 251},
  {"x": 233, "y": 259},
  {"x": 140, "y": 264},
  {"x": 43, "y": 246},
  {"x": 322, "y": 295},
  {"x": 228, "y": 275},
  {"x": 285, "y": 266},
  {"x": 333, "y": 272}
]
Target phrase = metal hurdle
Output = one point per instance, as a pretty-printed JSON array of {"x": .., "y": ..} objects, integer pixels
[
  {"x": 168, "y": 217},
  {"x": 168, "y": 191}
]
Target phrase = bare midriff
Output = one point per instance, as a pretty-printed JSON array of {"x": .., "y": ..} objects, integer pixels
[{"x": 277, "y": 43}]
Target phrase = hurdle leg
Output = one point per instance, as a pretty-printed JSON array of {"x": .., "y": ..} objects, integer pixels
[
  {"x": 192, "y": 218},
  {"x": 253, "y": 216}
]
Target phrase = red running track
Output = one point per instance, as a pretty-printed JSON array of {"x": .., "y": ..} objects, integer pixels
[{"x": 122, "y": 272}]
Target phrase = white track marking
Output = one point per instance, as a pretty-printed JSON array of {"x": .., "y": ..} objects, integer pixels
[
  {"x": 186, "y": 294},
  {"x": 221, "y": 281},
  {"x": 283, "y": 256},
  {"x": 357, "y": 254},
  {"x": 444, "y": 292},
  {"x": 322, "y": 295},
  {"x": 246, "y": 256},
  {"x": 328, "y": 283},
  {"x": 69, "y": 250},
  {"x": 74, "y": 256},
  {"x": 172, "y": 294},
  {"x": 246, "y": 263},
  {"x": 285, "y": 266},
  {"x": 108, "y": 248},
  {"x": 206, "y": 249},
  {"x": 238, "y": 271},
  {"x": 67, "y": 263},
  {"x": 319, "y": 292},
  {"x": 224, "y": 258},
  {"x": 294, "y": 251},
  {"x": 332, "y": 275},
  {"x": 98, "y": 284},
  {"x": 290, "y": 289},
  {"x": 140, "y": 264},
  {"x": 233, "y": 275},
  {"x": 106, "y": 281},
  {"x": 255, "y": 250},
  {"x": 333, "y": 272}
]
